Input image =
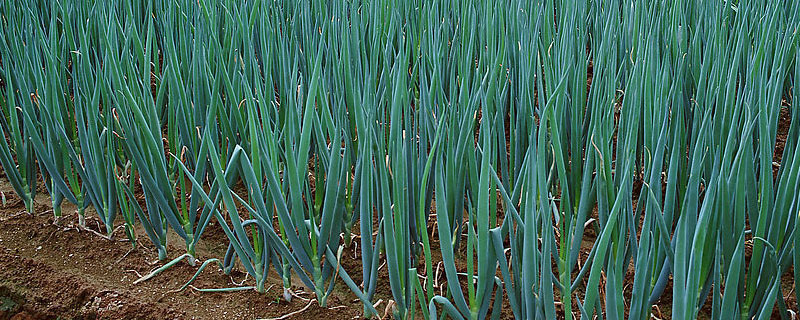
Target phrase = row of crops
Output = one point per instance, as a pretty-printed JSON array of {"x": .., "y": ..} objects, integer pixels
[{"x": 548, "y": 158}]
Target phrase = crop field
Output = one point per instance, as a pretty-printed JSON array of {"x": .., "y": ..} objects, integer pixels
[{"x": 420, "y": 159}]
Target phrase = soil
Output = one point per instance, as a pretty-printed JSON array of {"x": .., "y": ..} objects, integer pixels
[{"x": 50, "y": 271}]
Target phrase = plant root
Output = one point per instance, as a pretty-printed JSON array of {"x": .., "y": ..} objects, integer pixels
[{"x": 286, "y": 316}]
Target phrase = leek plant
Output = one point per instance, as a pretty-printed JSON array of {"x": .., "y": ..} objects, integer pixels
[
  {"x": 50, "y": 102},
  {"x": 18, "y": 157},
  {"x": 557, "y": 158}
]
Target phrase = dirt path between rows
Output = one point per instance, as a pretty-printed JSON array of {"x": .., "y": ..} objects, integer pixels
[{"x": 58, "y": 272}]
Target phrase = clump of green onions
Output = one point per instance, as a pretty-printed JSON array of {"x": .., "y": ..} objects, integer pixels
[{"x": 556, "y": 158}]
